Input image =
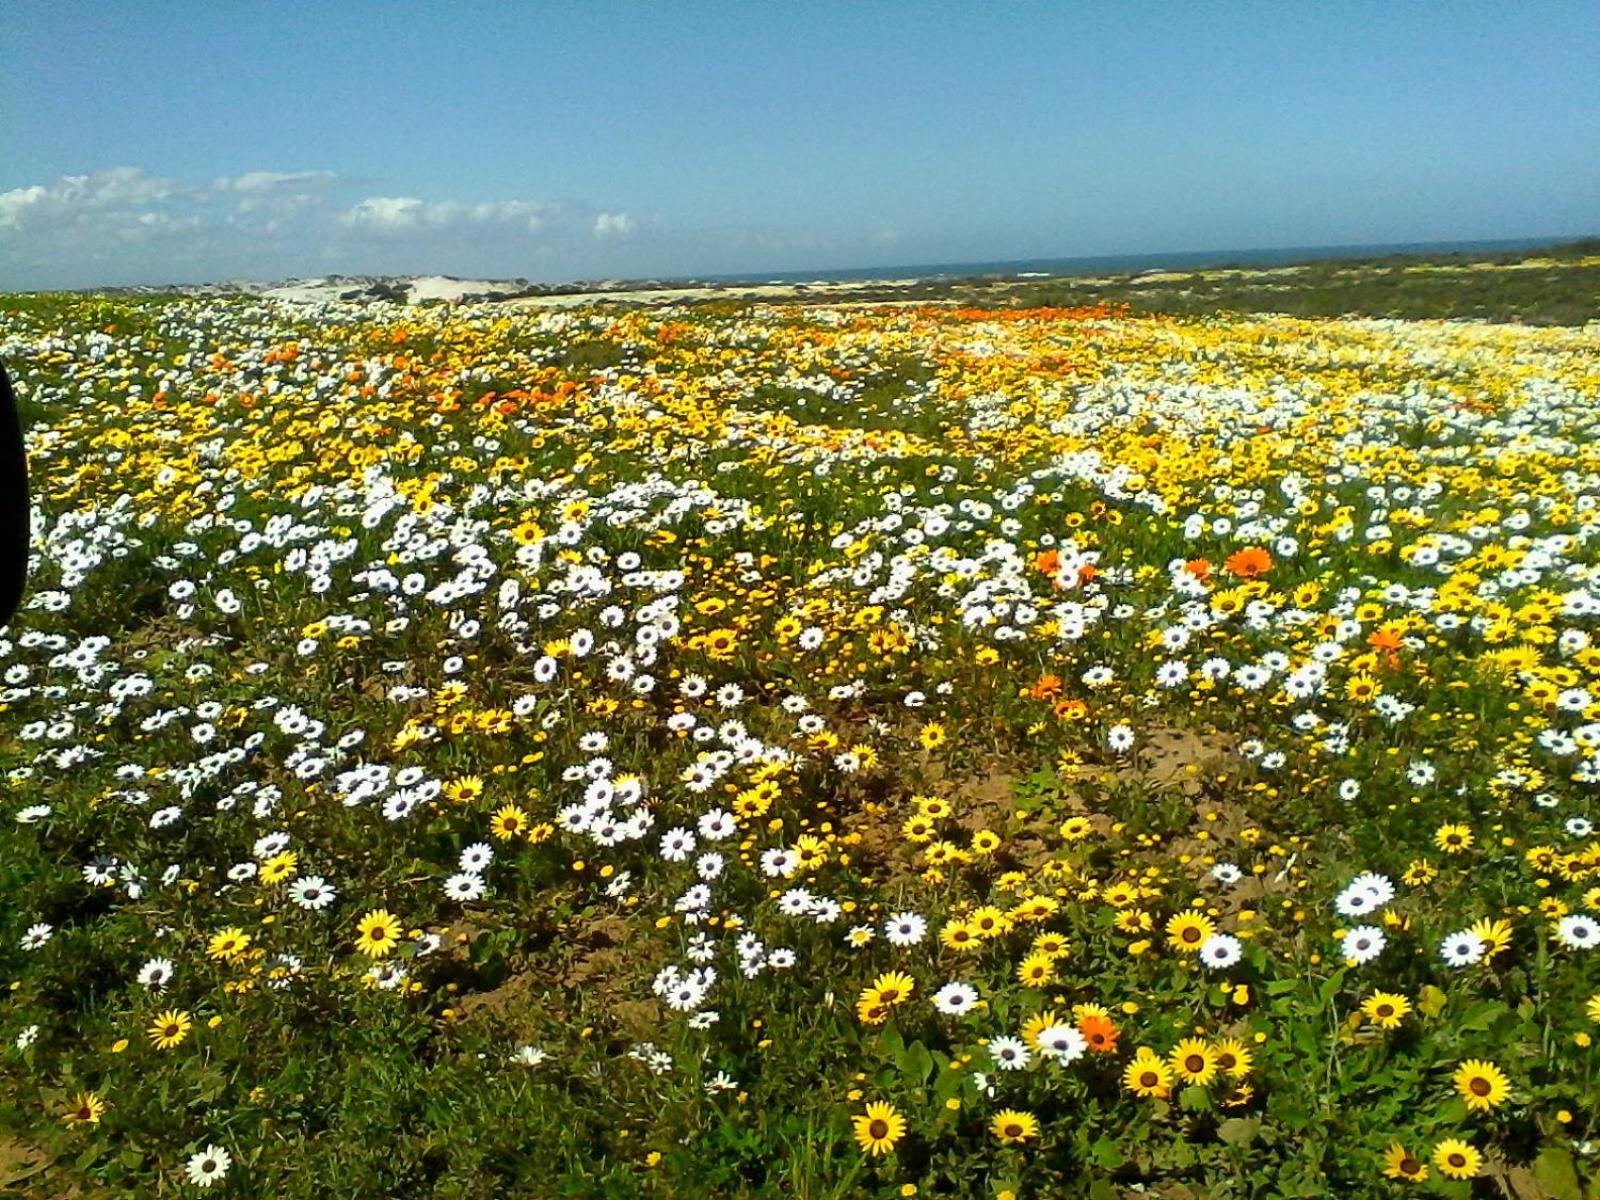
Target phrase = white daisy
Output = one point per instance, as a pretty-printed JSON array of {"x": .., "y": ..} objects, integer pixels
[
  {"x": 677, "y": 844},
  {"x": 1363, "y": 943},
  {"x": 208, "y": 1166},
  {"x": 155, "y": 973},
  {"x": 775, "y": 863},
  {"x": 716, "y": 825},
  {"x": 465, "y": 886},
  {"x": 1062, "y": 1043},
  {"x": 1009, "y": 1053},
  {"x": 475, "y": 859},
  {"x": 1461, "y": 949},
  {"x": 312, "y": 893},
  {"x": 905, "y": 929},
  {"x": 1578, "y": 931},
  {"x": 955, "y": 999},
  {"x": 1220, "y": 950}
]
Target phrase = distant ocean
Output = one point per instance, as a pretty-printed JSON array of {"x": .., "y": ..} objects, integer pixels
[{"x": 1120, "y": 263}]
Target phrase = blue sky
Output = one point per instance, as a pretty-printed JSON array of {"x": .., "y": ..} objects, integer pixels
[{"x": 153, "y": 142}]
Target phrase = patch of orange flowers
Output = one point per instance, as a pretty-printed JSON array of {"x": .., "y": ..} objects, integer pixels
[
  {"x": 1100, "y": 1032},
  {"x": 1249, "y": 563}
]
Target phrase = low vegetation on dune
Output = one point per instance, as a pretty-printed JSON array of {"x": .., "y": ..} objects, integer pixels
[
  {"x": 1556, "y": 285},
  {"x": 1559, "y": 286},
  {"x": 805, "y": 750}
]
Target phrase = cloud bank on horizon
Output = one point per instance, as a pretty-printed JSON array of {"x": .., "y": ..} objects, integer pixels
[{"x": 125, "y": 225}]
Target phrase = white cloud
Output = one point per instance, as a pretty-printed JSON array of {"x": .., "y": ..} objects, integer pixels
[
  {"x": 128, "y": 225},
  {"x": 279, "y": 203},
  {"x": 73, "y": 196},
  {"x": 613, "y": 225},
  {"x": 118, "y": 186},
  {"x": 531, "y": 213},
  {"x": 407, "y": 214},
  {"x": 385, "y": 214},
  {"x": 267, "y": 181},
  {"x": 16, "y": 204}
]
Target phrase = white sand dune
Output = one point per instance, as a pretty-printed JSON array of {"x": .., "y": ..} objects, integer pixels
[
  {"x": 423, "y": 289},
  {"x": 442, "y": 287},
  {"x": 308, "y": 291},
  {"x": 672, "y": 295},
  {"x": 416, "y": 289}
]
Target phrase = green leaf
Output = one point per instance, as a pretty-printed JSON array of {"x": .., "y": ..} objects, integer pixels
[
  {"x": 1330, "y": 988},
  {"x": 1195, "y": 1099},
  {"x": 916, "y": 1063},
  {"x": 1479, "y": 1017},
  {"x": 1238, "y": 1131},
  {"x": 892, "y": 1044},
  {"x": 1431, "y": 1001},
  {"x": 1028, "y": 801},
  {"x": 1555, "y": 1173},
  {"x": 1105, "y": 1154}
]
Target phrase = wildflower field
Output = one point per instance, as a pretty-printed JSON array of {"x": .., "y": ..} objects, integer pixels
[{"x": 796, "y": 750}]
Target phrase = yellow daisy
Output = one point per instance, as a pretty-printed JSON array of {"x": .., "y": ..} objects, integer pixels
[
  {"x": 1012, "y": 1126},
  {"x": 377, "y": 933},
  {"x": 1234, "y": 1058},
  {"x": 1147, "y": 1075},
  {"x": 894, "y": 987},
  {"x": 1481, "y": 1084},
  {"x": 169, "y": 1029},
  {"x": 1194, "y": 1061},
  {"x": 1036, "y": 971},
  {"x": 229, "y": 944},
  {"x": 507, "y": 822},
  {"x": 84, "y": 1109},
  {"x": 1400, "y": 1163},
  {"x": 1456, "y": 1159},
  {"x": 1385, "y": 1009},
  {"x": 1187, "y": 932},
  {"x": 1452, "y": 839},
  {"x": 879, "y": 1128}
]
